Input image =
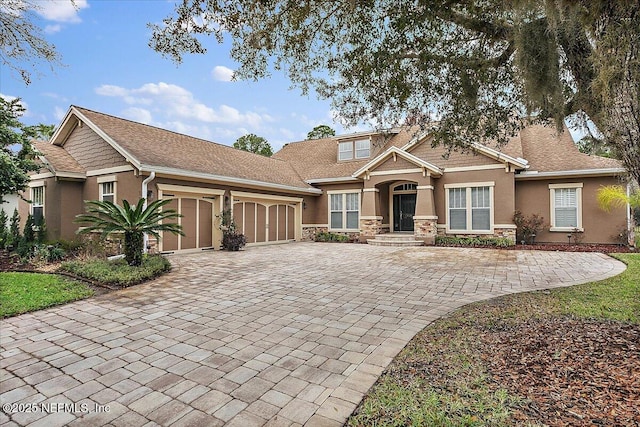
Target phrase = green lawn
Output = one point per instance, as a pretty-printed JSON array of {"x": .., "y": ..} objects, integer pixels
[
  {"x": 24, "y": 292},
  {"x": 443, "y": 377}
]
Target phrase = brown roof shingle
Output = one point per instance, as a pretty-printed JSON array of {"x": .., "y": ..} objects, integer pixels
[
  {"x": 548, "y": 151},
  {"x": 157, "y": 147},
  {"x": 318, "y": 158},
  {"x": 59, "y": 159}
]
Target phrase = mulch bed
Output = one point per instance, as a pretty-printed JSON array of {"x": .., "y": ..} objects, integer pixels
[
  {"x": 12, "y": 262},
  {"x": 561, "y": 247},
  {"x": 570, "y": 372}
]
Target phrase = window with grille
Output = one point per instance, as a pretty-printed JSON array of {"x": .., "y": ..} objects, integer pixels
[
  {"x": 566, "y": 206},
  {"x": 37, "y": 204},
  {"x": 349, "y": 150},
  {"x": 108, "y": 192},
  {"x": 344, "y": 211},
  {"x": 469, "y": 208}
]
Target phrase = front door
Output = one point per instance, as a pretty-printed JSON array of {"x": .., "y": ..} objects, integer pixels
[{"x": 404, "y": 207}]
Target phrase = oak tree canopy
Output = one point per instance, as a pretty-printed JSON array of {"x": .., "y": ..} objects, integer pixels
[{"x": 474, "y": 69}]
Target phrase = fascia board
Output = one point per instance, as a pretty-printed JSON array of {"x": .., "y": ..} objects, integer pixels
[
  {"x": 226, "y": 179},
  {"x": 571, "y": 173}
]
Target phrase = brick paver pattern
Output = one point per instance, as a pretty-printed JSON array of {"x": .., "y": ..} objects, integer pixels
[{"x": 279, "y": 335}]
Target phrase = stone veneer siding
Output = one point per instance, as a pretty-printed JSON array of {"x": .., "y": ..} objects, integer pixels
[
  {"x": 369, "y": 228},
  {"x": 309, "y": 233},
  {"x": 425, "y": 230}
]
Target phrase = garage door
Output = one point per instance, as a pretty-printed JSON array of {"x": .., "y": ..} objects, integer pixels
[
  {"x": 266, "y": 220},
  {"x": 198, "y": 216}
]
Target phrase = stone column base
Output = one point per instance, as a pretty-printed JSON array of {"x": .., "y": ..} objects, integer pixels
[
  {"x": 370, "y": 227},
  {"x": 425, "y": 229}
]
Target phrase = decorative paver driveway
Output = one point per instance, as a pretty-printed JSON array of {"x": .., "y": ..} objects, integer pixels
[{"x": 281, "y": 335}]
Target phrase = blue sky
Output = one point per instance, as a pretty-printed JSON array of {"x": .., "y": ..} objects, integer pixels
[{"x": 109, "y": 67}]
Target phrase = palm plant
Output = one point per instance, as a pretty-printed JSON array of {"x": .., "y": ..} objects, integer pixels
[
  {"x": 615, "y": 196},
  {"x": 107, "y": 217}
]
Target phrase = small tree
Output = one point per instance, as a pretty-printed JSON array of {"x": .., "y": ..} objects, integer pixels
[
  {"x": 16, "y": 152},
  {"x": 4, "y": 231},
  {"x": 254, "y": 144},
  {"x": 321, "y": 131},
  {"x": 107, "y": 217},
  {"x": 14, "y": 229},
  {"x": 28, "y": 240},
  {"x": 41, "y": 230}
]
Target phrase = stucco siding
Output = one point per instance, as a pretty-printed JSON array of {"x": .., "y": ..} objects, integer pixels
[
  {"x": 533, "y": 197},
  {"x": 91, "y": 151},
  {"x": 503, "y": 192},
  {"x": 322, "y": 204}
]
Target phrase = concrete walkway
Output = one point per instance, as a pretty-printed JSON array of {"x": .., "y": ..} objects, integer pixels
[{"x": 282, "y": 335}]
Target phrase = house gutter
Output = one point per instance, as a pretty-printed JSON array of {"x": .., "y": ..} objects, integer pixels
[{"x": 145, "y": 184}]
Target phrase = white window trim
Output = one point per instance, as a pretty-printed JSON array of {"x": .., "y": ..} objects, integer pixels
[
  {"x": 353, "y": 151},
  {"x": 344, "y": 211},
  {"x": 552, "y": 203},
  {"x": 101, "y": 194},
  {"x": 468, "y": 186},
  {"x": 32, "y": 204}
]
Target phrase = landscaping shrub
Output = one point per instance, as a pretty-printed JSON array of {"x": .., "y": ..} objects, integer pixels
[
  {"x": 118, "y": 272},
  {"x": 527, "y": 227},
  {"x": 232, "y": 239},
  {"x": 331, "y": 237},
  {"x": 499, "y": 242}
]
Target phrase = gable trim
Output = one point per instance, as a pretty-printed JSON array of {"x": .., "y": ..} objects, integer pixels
[
  {"x": 425, "y": 167},
  {"x": 62, "y": 133},
  {"x": 475, "y": 168},
  {"x": 489, "y": 152},
  {"x": 395, "y": 172}
]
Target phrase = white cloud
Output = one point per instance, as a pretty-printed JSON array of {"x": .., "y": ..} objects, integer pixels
[
  {"x": 61, "y": 10},
  {"x": 222, "y": 73},
  {"x": 177, "y": 102},
  {"x": 52, "y": 29},
  {"x": 111, "y": 90}
]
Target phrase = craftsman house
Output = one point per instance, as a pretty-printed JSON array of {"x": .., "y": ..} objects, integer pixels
[{"x": 362, "y": 184}]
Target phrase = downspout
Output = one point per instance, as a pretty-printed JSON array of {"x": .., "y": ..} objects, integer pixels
[{"x": 145, "y": 183}]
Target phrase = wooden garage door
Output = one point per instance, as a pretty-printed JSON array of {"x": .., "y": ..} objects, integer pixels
[
  {"x": 265, "y": 222},
  {"x": 197, "y": 219}
]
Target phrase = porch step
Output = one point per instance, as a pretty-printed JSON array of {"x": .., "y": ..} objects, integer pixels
[{"x": 393, "y": 239}]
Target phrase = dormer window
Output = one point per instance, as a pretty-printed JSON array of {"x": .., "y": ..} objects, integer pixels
[
  {"x": 363, "y": 149},
  {"x": 345, "y": 150},
  {"x": 359, "y": 149}
]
